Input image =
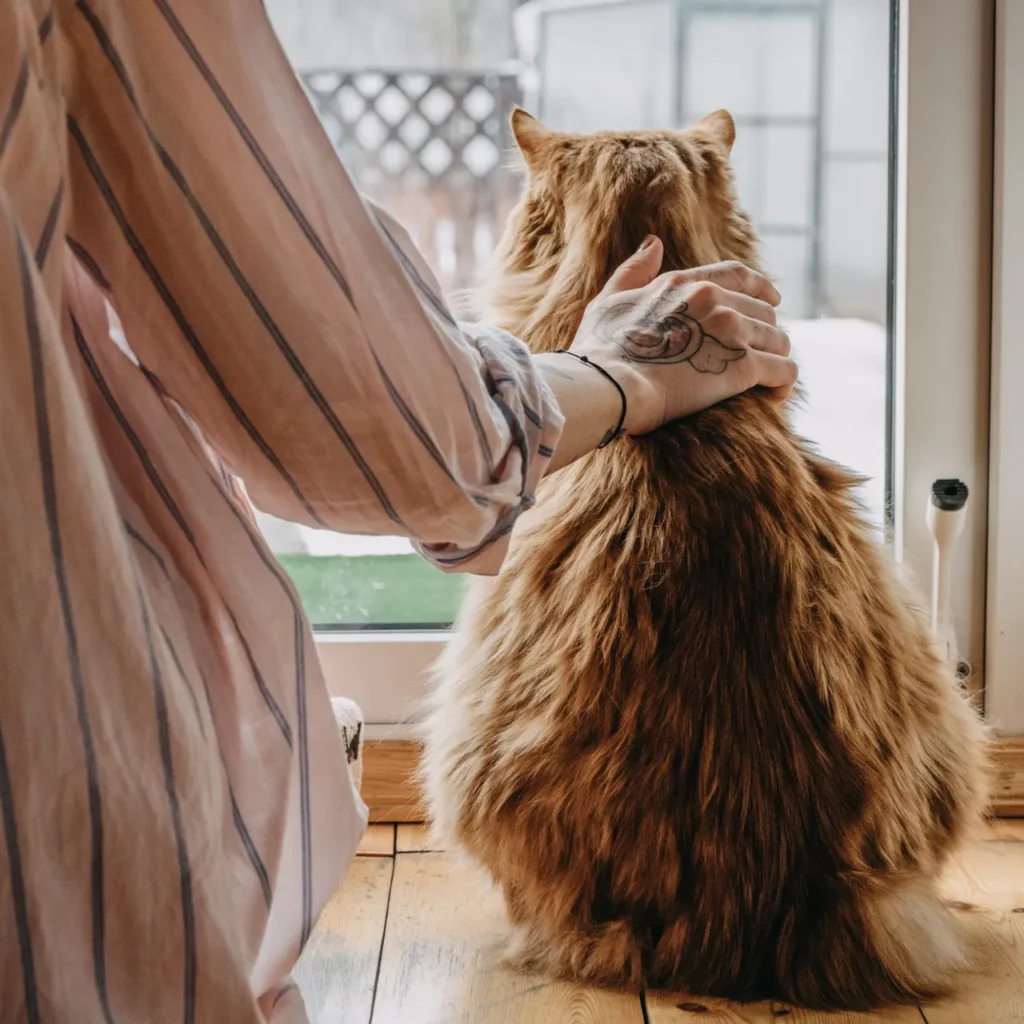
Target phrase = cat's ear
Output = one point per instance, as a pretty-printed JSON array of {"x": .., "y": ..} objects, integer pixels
[
  {"x": 533, "y": 138},
  {"x": 720, "y": 126}
]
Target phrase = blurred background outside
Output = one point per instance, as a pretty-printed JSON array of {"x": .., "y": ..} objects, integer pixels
[{"x": 416, "y": 94}]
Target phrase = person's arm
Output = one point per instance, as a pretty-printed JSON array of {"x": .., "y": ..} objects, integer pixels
[
  {"x": 306, "y": 343},
  {"x": 303, "y": 339},
  {"x": 725, "y": 308}
]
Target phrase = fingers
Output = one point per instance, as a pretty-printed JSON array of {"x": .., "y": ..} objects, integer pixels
[
  {"x": 734, "y": 327},
  {"x": 702, "y": 298},
  {"x": 755, "y": 309},
  {"x": 776, "y": 373},
  {"x": 732, "y": 317},
  {"x": 639, "y": 270},
  {"x": 735, "y": 277}
]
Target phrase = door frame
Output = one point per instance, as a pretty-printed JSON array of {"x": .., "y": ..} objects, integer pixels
[{"x": 1004, "y": 692}]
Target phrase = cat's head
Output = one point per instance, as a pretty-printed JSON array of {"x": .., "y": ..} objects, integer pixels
[{"x": 588, "y": 203}]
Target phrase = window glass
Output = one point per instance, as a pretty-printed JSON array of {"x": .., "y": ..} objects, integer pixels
[{"x": 416, "y": 94}]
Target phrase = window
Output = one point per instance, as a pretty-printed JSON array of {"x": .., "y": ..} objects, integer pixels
[
  {"x": 862, "y": 154},
  {"x": 808, "y": 84}
]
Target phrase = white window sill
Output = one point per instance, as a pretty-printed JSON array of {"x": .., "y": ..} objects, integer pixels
[{"x": 383, "y": 671}]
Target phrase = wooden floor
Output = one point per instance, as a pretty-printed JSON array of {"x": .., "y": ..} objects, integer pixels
[{"x": 409, "y": 938}]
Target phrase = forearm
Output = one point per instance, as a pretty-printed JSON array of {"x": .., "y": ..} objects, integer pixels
[{"x": 590, "y": 403}]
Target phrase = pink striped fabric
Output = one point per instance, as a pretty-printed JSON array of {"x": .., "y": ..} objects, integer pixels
[{"x": 174, "y": 800}]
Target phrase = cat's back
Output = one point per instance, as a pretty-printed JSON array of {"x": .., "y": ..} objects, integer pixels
[
  {"x": 697, "y": 644},
  {"x": 712, "y": 583}
]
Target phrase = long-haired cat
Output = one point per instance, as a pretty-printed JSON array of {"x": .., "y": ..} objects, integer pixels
[{"x": 697, "y": 729}]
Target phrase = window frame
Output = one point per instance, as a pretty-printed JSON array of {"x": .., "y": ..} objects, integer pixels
[
  {"x": 385, "y": 672},
  {"x": 942, "y": 247},
  {"x": 943, "y": 253},
  {"x": 1004, "y": 693}
]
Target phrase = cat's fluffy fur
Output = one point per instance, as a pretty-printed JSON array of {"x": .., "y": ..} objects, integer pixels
[{"x": 697, "y": 729}]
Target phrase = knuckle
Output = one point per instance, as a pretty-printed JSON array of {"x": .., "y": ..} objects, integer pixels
[
  {"x": 723, "y": 320},
  {"x": 747, "y": 280},
  {"x": 705, "y": 293}
]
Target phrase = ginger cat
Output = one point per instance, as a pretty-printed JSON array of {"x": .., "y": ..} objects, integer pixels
[{"x": 697, "y": 729}]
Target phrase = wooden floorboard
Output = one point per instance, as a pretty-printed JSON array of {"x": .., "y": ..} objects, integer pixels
[
  {"x": 990, "y": 881},
  {"x": 377, "y": 841},
  {"x": 415, "y": 839},
  {"x": 425, "y": 928},
  {"x": 389, "y": 785},
  {"x": 1005, "y": 830},
  {"x": 338, "y": 968},
  {"x": 392, "y": 792},
  {"x": 438, "y": 964},
  {"x": 664, "y": 1009}
]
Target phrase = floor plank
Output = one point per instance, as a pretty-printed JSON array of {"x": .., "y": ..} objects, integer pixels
[
  {"x": 377, "y": 841},
  {"x": 663, "y": 1008},
  {"x": 1005, "y": 830},
  {"x": 989, "y": 880},
  {"x": 439, "y": 960},
  {"x": 441, "y": 940},
  {"x": 388, "y": 785},
  {"x": 339, "y": 965},
  {"x": 415, "y": 839}
]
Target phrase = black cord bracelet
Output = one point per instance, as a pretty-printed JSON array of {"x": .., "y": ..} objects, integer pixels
[{"x": 618, "y": 387}]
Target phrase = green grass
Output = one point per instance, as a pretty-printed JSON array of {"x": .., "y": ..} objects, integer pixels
[{"x": 374, "y": 590}]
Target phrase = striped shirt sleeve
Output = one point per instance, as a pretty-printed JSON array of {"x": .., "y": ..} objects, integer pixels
[{"x": 325, "y": 367}]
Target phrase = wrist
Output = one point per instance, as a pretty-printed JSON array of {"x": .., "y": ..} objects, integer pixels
[
  {"x": 591, "y": 405},
  {"x": 641, "y": 412},
  {"x": 641, "y": 400},
  {"x": 595, "y": 367}
]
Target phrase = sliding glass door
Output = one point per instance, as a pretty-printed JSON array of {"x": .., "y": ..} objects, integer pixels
[{"x": 864, "y": 153}]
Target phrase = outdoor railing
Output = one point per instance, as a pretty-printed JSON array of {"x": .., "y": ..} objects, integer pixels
[{"x": 431, "y": 147}]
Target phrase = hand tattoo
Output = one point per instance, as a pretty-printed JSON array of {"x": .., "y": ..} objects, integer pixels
[{"x": 666, "y": 333}]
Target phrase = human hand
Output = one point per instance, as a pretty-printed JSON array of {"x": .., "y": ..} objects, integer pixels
[{"x": 683, "y": 341}]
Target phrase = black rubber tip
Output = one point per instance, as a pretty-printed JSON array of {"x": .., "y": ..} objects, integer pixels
[{"x": 949, "y": 495}]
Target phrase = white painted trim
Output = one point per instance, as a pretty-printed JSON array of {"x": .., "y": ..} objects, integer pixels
[
  {"x": 1004, "y": 691},
  {"x": 384, "y": 672},
  {"x": 943, "y": 295},
  {"x": 390, "y": 733}
]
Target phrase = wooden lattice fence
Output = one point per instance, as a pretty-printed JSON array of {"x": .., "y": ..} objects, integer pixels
[{"x": 431, "y": 147}]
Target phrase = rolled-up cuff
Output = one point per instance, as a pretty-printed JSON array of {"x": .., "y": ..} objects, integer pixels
[{"x": 535, "y": 424}]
